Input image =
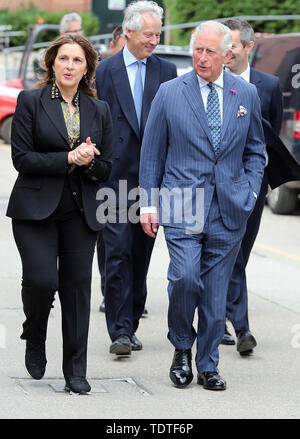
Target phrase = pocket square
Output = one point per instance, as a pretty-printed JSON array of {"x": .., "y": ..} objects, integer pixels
[{"x": 241, "y": 111}]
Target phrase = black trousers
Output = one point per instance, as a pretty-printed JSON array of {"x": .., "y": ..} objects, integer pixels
[
  {"x": 237, "y": 296},
  {"x": 101, "y": 260},
  {"x": 57, "y": 255},
  {"x": 127, "y": 256}
]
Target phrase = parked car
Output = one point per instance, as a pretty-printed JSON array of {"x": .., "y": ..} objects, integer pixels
[
  {"x": 179, "y": 55},
  {"x": 280, "y": 56},
  {"x": 26, "y": 73},
  {"x": 25, "y": 77}
]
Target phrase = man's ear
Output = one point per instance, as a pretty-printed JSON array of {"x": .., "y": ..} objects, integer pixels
[
  {"x": 128, "y": 33},
  {"x": 249, "y": 46},
  {"x": 227, "y": 56}
]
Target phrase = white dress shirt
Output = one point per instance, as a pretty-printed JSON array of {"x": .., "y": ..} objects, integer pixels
[
  {"x": 244, "y": 75},
  {"x": 132, "y": 66}
]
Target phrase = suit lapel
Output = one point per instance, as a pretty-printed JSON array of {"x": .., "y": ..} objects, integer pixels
[
  {"x": 193, "y": 95},
  {"x": 123, "y": 91},
  {"x": 229, "y": 101},
  {"x": 53, "y": 110},
  {"x": 87, "y": 115},
  {"x": 255, "y": 79}
]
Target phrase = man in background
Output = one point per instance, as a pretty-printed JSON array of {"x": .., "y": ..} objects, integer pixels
[
  {"x": 71, "y": 23},
  {"x": 269, "y": 92},
  {"x": 117, "y": 43},
  {"x": 128, "y": 81}
]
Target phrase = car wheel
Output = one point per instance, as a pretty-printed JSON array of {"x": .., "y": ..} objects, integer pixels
[
  {"x": 5, "y": 129},
  {"x": 282, "y": 200}
]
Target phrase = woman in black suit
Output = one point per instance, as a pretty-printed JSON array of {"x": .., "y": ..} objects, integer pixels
[{"x": 61, "y": 146}]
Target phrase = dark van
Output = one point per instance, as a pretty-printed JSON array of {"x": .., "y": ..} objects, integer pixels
[{"x": 280, "y": 56}]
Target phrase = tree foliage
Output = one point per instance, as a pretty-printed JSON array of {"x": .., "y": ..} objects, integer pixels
[
  {"x": 22, "y": 17},
  {"x": 187, "y": 11}
]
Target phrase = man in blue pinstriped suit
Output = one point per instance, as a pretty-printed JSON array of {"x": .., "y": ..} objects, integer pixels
[{"x": 180, "y": 152}]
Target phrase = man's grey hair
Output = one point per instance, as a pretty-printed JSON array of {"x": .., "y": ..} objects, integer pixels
[
  {"x": 68, "y": 18},
  {"x": 216, "y": 26},
  {"x": 246, "y": 31},
  {"x": 133, "y": 14}
]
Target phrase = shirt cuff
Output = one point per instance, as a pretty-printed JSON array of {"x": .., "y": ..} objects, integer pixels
[{"x": 149, "y": 209}]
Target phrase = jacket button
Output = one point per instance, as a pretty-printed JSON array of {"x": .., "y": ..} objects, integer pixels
[
  {"x": 121, "y": 139},
  {"x": 120, "y": 118}
]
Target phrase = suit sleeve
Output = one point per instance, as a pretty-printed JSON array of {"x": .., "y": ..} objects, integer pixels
[
  {"x": 25, "y": 158},
  {"x": 254, "y": 157},
  {"x": 276, "y": 108},
  {"x": 101, "y": 165}
]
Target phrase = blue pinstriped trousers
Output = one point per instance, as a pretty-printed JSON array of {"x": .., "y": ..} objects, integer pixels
[{"x": 199, "y": 273}]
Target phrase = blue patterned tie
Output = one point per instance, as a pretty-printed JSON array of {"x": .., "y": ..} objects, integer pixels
[
  {"x": 138, "y": 92},
  {"x": 214, "y": 116}
]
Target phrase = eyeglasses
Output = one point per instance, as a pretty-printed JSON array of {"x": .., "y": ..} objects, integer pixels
[{"x": 75, "y": 31}]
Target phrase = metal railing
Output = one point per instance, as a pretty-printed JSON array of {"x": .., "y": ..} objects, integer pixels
[{"x": 11, "y": 67}]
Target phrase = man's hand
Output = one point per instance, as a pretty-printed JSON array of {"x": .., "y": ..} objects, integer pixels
[{"x": 149, "y": 223}]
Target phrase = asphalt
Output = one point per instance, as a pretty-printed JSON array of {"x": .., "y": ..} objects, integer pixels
[{"x": 263, "y": 386}]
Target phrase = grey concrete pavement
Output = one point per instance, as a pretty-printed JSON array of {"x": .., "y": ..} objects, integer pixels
[{"x": 265, "y": 385}]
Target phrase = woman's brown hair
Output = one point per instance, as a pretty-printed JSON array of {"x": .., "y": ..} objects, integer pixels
[{"x": 87, "y": 83}]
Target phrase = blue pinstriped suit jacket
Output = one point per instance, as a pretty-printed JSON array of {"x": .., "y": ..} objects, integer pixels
[{"x": 177, "y": 150}]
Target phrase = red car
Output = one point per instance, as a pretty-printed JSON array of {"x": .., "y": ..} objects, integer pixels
[
  {"x": 26, "y": 78},
  {"x": 8, "y": 100}
]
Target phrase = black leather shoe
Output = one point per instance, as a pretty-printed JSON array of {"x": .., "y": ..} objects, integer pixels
[
  {"x": 121, "y": 346},
  {"x": 77, "y": 385},
  {"x": 227, "y": 338},
  {"x": 211, "y": 381},
  {"x": 245, "y": 343},
  {"x": 102, "y": 306},
  {"x": 181, "y": 368},
  {"x": 35, "y": 359},
  {"x": 136, "y": 345}
]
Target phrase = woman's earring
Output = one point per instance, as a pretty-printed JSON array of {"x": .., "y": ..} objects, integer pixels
[
  {"x": 85, "y": 80},
  {"x": 53, "y": 85}
]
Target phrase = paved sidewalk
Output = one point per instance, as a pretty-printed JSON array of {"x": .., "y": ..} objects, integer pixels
[{"x": 265, "y": 385}]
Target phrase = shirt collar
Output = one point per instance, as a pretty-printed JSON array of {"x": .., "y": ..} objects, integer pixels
[
  {"x": 219, "y": 81},
  {"x": 55, "y": 94},
  {"x": 129, "y": 58},
  {"x": 245, "y": 74}
]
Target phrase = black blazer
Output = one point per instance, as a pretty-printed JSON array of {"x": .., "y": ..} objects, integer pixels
[
  {"x": 40, "y": 147},
  {"x": 282, "y": 166}
]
